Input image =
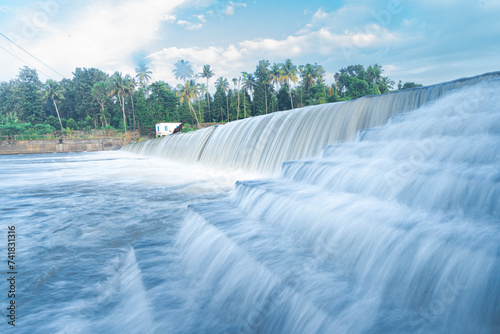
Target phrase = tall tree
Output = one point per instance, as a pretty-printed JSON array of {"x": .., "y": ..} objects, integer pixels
[
  {"x": 67, "y": 106},
  {"x": 220, "y": 102},
  {"x": 162, "y": 105},
  {"x": 374, "y": 74},
  {"x": 202, "y": 89},
  {"x": 223, "y": 84},
  {"x": 275, "y": 80},
  {"x": 117, "y": 86},
  {"x": 28, "y": 100},
  {"x": 7, "y": 97},
  {"x": 275, "y": 75},
  {"x": 130, "y": 90},
  {"x": 354, "y": 81},
  {"x": 309, "y": 74},
  {"x": 82, "y": 84},
  {"x": 262, "y": 86},
  {"x": 188, "y": 92},
  {"x": 143, "y": 74},
  {"x": 288, "y": 75},
  {"x": 53, "y": 91},
  {"x": 385, "y": 85},
  {"x": 100, "y": 93},
  {"x": 248, "y": 84},
  {"x": 207, "y": 73},
  {"x": 237, "y": 81}
]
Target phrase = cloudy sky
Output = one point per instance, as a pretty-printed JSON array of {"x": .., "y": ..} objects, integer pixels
[{"x": 426, "y": 41}]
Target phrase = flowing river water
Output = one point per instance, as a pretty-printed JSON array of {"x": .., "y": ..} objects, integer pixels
[{"x": 380, "y": 215}]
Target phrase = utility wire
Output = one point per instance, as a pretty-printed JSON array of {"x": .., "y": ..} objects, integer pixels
[
  {"x": 30, "y": 54},
  {"x": 1, "y": 47}
]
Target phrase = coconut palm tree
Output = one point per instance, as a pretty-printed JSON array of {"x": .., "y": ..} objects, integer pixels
[
  {"x": 288, "y": 73},
  {"x": 244, "y": 97},
  {"x": 266, "y": 81},
  {"x": 386, "y": 85},
  {"x": 237, "y": 81},
  {"x": 224, "y": 84},
  {"x": 188, "y": 92},
  {"x": 143, "y": 75},
  {"x": 309, "y": 74},
  {"x": 52, "y": 90},
  {"x": 275, "y": 75},
  {"x": 130, "y": 90},
  {"x": 117, "y": 86},
  {"x": 374, "y": 74},
  {"x": 248, "y": 84},
  {"x": 182, "y": 70},
  {"x": 202, "y": 89},
  {"x": 207, "y": 73}
]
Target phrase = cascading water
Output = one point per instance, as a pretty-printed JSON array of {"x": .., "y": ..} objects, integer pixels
[
  {"x": 262, "y": 144},
  {"x": 396, "y": 231}
]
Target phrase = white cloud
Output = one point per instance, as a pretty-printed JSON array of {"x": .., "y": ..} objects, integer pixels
[
  {"x": 229, "y": 10},
  {"x": 109, "y": 34},
  {"x": 231, "y": 60},
  {"x": 324, "y": 41},
  {"x": 320, "y": 15},
  {"x": 326, "y": 36},
  {"x": 193, "y": 26},
  {"x": 223, "y": 8},
  {"x": 290, "y": 45},
  {"x": 169, "y": 18},
  {"x": 190, "y": 25},
  {"x": 103, "y": 35},
  {"x": 390, "y": 68}
]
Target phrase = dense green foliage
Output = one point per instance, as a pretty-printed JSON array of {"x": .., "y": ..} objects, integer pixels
[{"x": 93, "y": 99}]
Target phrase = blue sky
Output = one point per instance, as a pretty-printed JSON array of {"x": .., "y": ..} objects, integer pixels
[{"x": 425, "y": 41}]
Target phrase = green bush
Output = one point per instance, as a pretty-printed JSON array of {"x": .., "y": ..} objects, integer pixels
[
  {"x": 88, "y": 122},
  {"x": 41, "y": 129},
  {"x": 54, "y": 122},
  {"x": 11, "y": 129},
  {"x": 71, "y": 124},
  {"x": 25, "y": 131}
]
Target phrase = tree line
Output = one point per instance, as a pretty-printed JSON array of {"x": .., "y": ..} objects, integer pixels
[{"x": 93, "y": 99}]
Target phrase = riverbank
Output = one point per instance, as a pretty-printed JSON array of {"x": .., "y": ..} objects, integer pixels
[{"x": 60, "y": 145}]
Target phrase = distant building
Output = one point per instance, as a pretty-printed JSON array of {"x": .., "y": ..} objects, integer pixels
[{"x": 164, "y": 129}]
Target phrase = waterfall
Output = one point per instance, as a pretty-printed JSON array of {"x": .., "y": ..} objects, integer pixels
[
  {"x": 393, "y": 229},
  {"x": 395, "y": 232},
  {"x": 263, "y": 143}
]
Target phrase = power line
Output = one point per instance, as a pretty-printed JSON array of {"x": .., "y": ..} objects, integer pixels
[
  {"x": 1, "y": 47},
  {"x": 30, "y": 54},
  {"x": 13, "y": 55}
]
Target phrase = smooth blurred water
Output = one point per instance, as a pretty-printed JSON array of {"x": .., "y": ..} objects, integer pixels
[
  {"x": 95, "y": 240},
  {"x": 395, "y": 232}
]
